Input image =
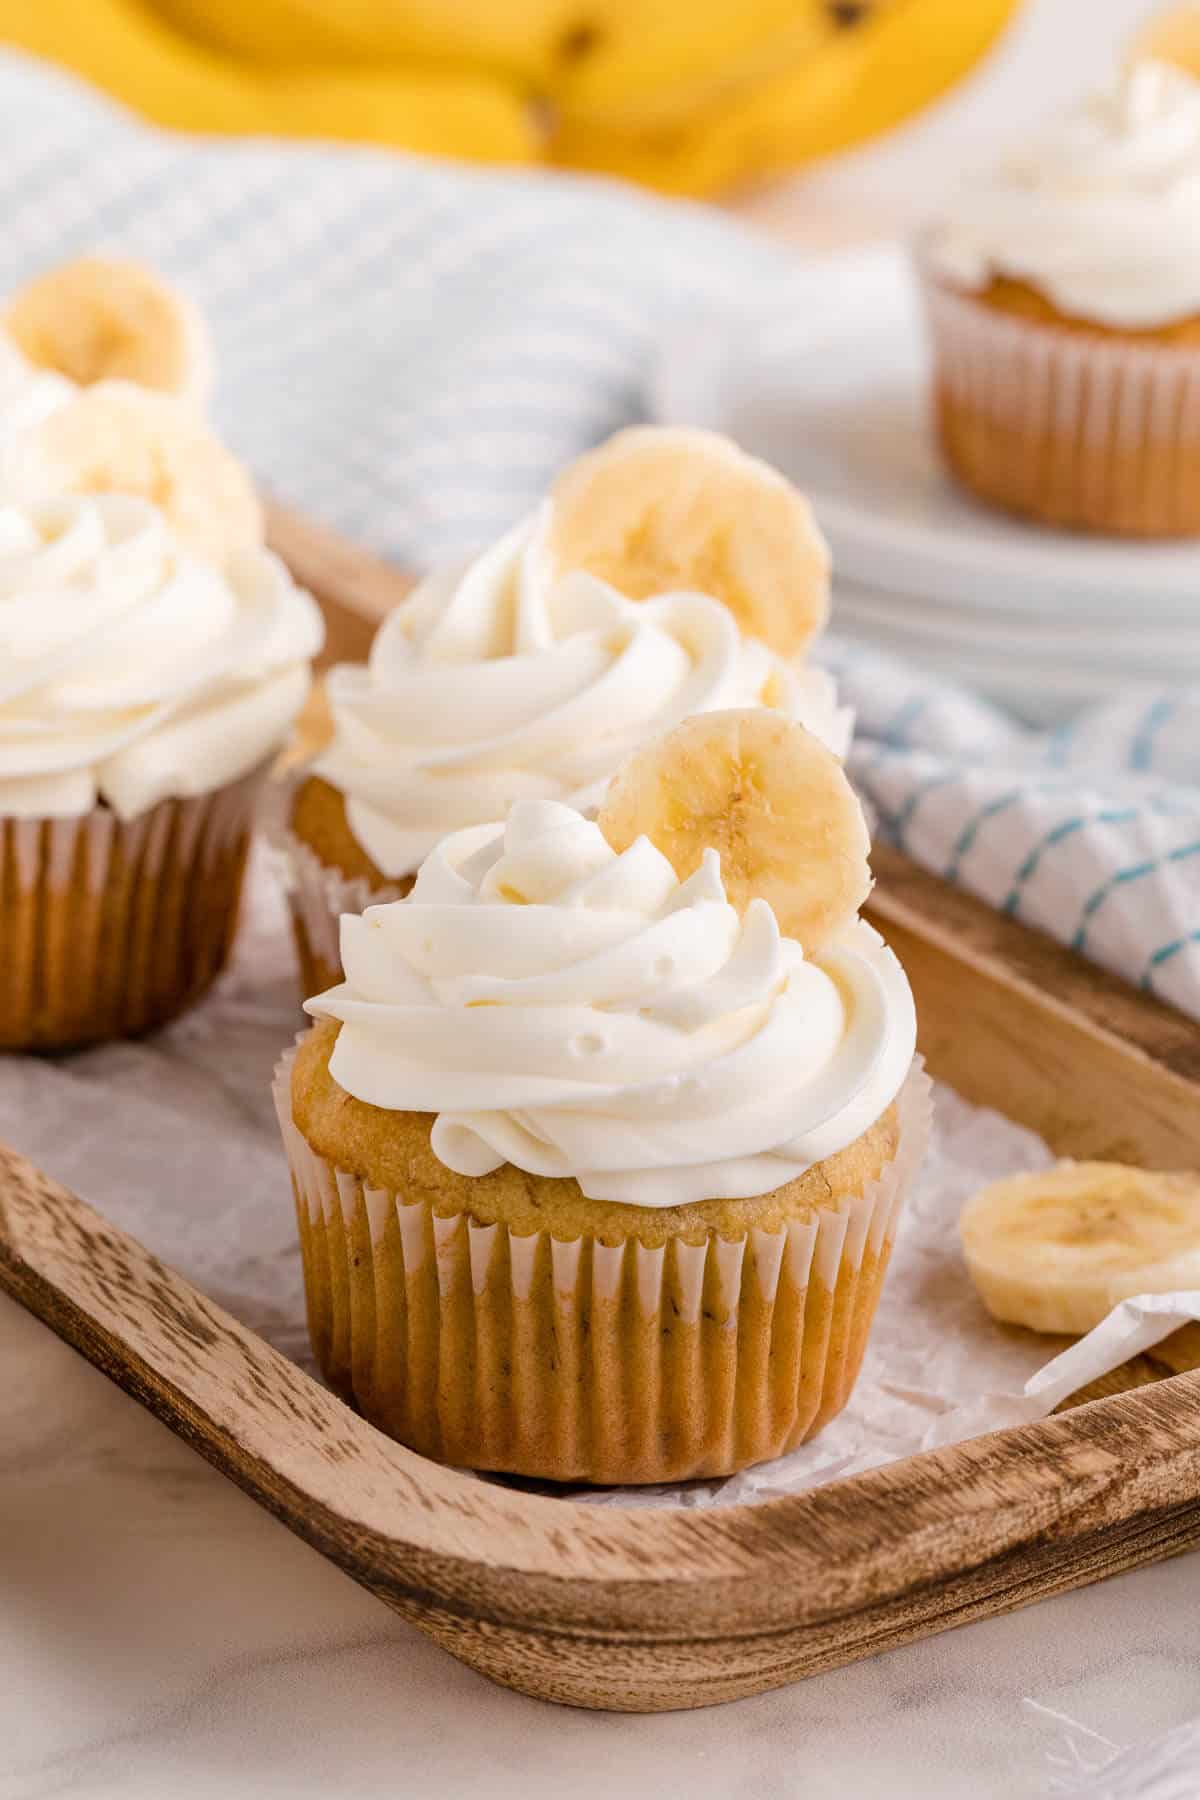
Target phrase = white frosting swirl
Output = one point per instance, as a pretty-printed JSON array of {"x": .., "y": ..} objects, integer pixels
[
  {"x": 499, "y": 684},
  {"x": 130, "y": 671},
  {"x": 27, "y": 396},
  {"x": 1102, "y": 213},
  {"x": 579, "y": 1013}
]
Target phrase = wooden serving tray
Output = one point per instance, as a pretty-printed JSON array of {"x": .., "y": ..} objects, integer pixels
[{"x": 646, "y": 1610}]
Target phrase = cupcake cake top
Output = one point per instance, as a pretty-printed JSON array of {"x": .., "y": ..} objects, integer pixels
[
  {"x": 667, "y": 574},
  {"x": 132, "y": 670},
  {"x": 612, "y": 1015},
  {"x": 1101, "y": 213}
]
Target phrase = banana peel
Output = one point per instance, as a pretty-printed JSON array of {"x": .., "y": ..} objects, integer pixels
[{"x": 691, "y": 96}]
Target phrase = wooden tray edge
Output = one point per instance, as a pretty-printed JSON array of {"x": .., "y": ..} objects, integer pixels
[
  {"x": 661, "y": 1609},
  {"x": 648, "y": 1610}
]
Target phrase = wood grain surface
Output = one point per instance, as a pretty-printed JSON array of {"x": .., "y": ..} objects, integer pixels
[
  {"x": 630, "y": 1610},
  {"x": 664, "y": 1608},
  {"x": 1013, "y": 1020}
]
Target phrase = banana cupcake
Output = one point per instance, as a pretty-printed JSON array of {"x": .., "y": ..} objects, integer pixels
[
  {"x": 667, "y": 574},
  {"x": 1063, "y": 298},
  {"x": 598, "y": 1150},
  {"x": 143, "y": 692}
]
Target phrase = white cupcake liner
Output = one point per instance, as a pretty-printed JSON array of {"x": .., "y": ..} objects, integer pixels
[
  {"x": 113, "y": 927},
  {"x": 1075, "y": 428},
  {"x": 579, "y": 1360},
  {"x": 317, "y": 895}
]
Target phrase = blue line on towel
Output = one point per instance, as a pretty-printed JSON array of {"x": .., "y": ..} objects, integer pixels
[
  {"x": 895, "y": 732},
  {"x": 970, "y": 831},
  {"x": 1052, "y": 839},
  {"x": 1122, "y": 878},
  {"x": 1141, "y": 750}
]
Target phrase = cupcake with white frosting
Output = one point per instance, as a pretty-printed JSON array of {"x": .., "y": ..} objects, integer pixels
[
  {"x": 533, "y": 673},
  {"x": 1064, "y": 302},
  {"x": 144, "y": 691},
  {"x": 597, "y": 1167}
]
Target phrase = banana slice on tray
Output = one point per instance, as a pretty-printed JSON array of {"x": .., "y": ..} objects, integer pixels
[
  {"x": 1057, "y": 1250},
  {"x": 115, "y": 438},
  {"x": 106, "y": 318},
  {"x": 769, "y": 798},
  {"x": 656, "y": 510}
]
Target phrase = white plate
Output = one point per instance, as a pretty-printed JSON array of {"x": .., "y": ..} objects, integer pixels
[
  {"x": 834, "y": 391},
  {"x": 1155, "y": 649},
  {"x": 1037, "y": 694}
]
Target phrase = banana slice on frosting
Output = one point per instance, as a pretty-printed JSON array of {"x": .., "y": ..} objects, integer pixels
[
  {"x": 656, "y": 510},
  {"x": 115, "y": 438},
  {"x": 105, "y": 318},
  {"x": 769, "y": 798}
]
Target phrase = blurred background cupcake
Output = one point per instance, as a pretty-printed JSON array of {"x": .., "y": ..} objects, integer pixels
[
  {"x": 1063, "y": 296},
  {"x": 153, "y": 659},
  {"x": 144, "y": 693}
]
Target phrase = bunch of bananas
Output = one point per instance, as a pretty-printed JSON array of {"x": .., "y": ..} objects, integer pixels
[{"x": 691, "y": 96}]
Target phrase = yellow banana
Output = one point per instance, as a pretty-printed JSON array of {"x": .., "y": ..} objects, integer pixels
[
  {"x": 121, "y": 46},
  {"x": 522, "y": 41},
  {"x": 655, "y": 70},
  {"x": 834, "y": 91},
  {"x": 693, "y": 96}
]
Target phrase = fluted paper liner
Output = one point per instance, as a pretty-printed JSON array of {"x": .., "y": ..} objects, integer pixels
[
  {"x": 112, "y": 927},
  {"x": 317, "y": 895},
  {"x": 577, "y": 1360},
  {"x": 1072, "y": 428}
]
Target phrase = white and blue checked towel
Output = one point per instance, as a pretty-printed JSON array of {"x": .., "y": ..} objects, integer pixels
[{"x": 409, "y": 350}]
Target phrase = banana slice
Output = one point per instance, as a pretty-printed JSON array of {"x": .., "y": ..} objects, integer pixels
[
  {"x": 116, "y": 438},
  {"x": 769, "y": 798},
  {"x": 655, "y": 510},
  {"x": 104, "y": 318},
  {"x": 1171, "y": 36},
  {"x": 1057, "y": 1250}
]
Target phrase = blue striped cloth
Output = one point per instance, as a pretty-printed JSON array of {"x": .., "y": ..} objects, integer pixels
[
  {"x": 1090, "y": 832},
  {"x": 408, "y": 350}
]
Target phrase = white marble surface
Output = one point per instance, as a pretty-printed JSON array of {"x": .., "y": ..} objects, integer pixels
[{"x": 163, "y": 1639}]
